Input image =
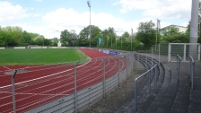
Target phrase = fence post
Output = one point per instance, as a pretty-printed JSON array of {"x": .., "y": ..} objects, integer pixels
[
  {"x": 149, "y": 74},
  {"x": 169, "y": 52},
  {"x": 192, "y": 69},
  {"x": 199, "y": 52},
  {"x": 193, "y": 72},
  {"x": 125, "y": 56},
  {"x": 155, "y": 71},
  {"x": 178, "y": 64},
  {"x": 137, "y": 59},
  {"x": 134, "y": 62},
  {"x": 146, "y": 62},
  {"x": 184, "y": 53},
  {"x": 118, "y": 71},
  {"x": 152, "y": 55},
  {"x": 135, "y": 95},
  {"x": 104, "y": 77},
  {"x": 75, "y": 85},
  {"x": 152, "y": 64},
  {"x": 13, "y": 90},
  {"x": 159, "y": 53}
]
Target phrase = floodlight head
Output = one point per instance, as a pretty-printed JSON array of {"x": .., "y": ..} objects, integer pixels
[{"x": 89, "y": 4}]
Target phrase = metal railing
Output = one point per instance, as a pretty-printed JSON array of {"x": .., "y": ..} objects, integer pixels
[
  {"x": 178, "y": 64},
  {"x": 108, "y": 73},
  {"x": 191, "y": 70},
  {"x": 148, "y": 73}
]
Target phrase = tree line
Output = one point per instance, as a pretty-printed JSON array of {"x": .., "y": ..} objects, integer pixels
[
  {"x": 11, "y": 36},
  {"x": 144, "y": 38}
]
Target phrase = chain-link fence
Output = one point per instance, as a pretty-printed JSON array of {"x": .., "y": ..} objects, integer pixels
[{"x": 65, "y": 87}]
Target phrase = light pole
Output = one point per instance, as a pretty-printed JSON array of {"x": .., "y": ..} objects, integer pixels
[
  {"x": 131, "y": 39},
  {"x": 116, "y": 38},
  {"x": 194, "y": 26},
  {"x": 116, "y": 41},
  {"x": 121, "y": 42},
  {"x": 157, "y": 31},
  {"x": 89, "y": 5}
]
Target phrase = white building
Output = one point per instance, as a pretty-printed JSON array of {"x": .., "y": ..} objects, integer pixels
[{"x": 181, "y": 29}]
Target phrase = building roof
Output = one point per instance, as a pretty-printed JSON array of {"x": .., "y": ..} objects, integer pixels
[{"x": 174, "y": 26}]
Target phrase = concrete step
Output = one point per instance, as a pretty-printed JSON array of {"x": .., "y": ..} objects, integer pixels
[
  {"x": 195, "y": 101},
  {"x": 158, "y": 92}
]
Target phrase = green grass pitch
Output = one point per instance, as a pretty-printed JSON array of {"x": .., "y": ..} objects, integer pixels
[{"x": 39, "y": 56}]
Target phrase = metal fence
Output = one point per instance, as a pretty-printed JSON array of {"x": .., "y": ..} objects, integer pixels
[
  {"x": 62, "y": 88},
  {"x": 178, "y": 64},
  {"x": 184, "y": 50},
  {"x": 147, "y": 73},
  {"x": 191, "y": 70}
]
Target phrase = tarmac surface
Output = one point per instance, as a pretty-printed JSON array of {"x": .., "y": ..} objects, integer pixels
[
  {"x": 173, "y": 93},
  {"x": 177, "y": 94}
]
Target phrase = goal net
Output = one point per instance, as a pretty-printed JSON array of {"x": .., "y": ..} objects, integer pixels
[{"x": 183, "y": 50}]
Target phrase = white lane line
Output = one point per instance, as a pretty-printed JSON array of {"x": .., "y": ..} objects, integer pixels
[
  {"x": 7, "y": 68},
  {"x": 43, "y": 76}
]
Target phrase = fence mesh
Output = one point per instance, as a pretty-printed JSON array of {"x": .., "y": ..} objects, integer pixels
[{"x": 36, "y": 86}]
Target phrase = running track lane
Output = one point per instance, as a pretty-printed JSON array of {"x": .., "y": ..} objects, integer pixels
[{"x": 43, "y": 84}]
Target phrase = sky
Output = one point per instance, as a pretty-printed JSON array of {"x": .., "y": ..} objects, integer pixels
[{"x": 50, "y": 17}]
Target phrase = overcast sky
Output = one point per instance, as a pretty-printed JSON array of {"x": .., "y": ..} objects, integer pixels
[{"x": 49, "y": 17}]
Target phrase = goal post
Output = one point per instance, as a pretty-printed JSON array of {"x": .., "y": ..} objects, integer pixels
[{"x": 184, "y": 50}]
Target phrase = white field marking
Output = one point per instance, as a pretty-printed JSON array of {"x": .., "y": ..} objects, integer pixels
[
  {"x": 8, "y": 92},
  {"x": 25, "y": 67},
  {"x": 43, "y": 76},
  {"x": 7, "y": 67},
  {"x": 65, "y": 71},
  {"x": 85, "y": 69}
]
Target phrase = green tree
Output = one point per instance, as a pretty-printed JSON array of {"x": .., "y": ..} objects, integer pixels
[
  {"x": 83, "y": 39},
  {"x": 96, "y": 33},
  {"x": 126, "y": 41},
  {"x": 26, "y": 39},
  {"x": 12, "y": 35},
  {"x": 74, "y": 38},
  {"x": 108, "y": 38},
  {"x": 65, "y": 37},
  {"x": 146, "y": 34},
  {"x": 3, "y": 36},
  {"x": 15, "y": 36},
  {"x": 47, "y": 42},
  {"x": 172, "y": 35},
  {"x": 84, "y": 36},
  {"x": 105, "y": 38},
  {"x": 55, "y": 41},
  {"x": 40, "y": 40}
]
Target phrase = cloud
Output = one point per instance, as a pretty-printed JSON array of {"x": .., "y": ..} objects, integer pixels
[
  {"x": 51, "y": 23},
  {"x": 62, "y": 18},
  {"x": 157, "y": 8},
  {"x": 10, "y": 12}
]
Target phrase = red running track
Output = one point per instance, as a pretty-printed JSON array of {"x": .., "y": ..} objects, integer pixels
[{"x": 37, "y": 85}]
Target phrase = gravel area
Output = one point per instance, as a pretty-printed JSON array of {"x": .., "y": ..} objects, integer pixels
[{"x": 117, "y": 100}]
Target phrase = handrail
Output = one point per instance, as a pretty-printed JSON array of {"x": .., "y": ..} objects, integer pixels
[
  {"x": 178, "y": 63},
  {"x": 136, "y": 79},
  {"x": 191, "y": 70}
]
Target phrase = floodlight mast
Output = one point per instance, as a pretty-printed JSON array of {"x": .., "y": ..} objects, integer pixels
[
  {"x": 88, "y": 2},
  {"x": 194, "y": 26},
  {"x": 194, "y": 21},
  {"x": 89, "y": 5}
]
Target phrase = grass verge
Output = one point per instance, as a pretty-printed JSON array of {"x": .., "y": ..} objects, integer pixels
[{"x": 39, "y": 56}]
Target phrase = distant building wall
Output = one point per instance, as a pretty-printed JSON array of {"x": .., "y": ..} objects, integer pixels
[{"x": 181, "y": 29}]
